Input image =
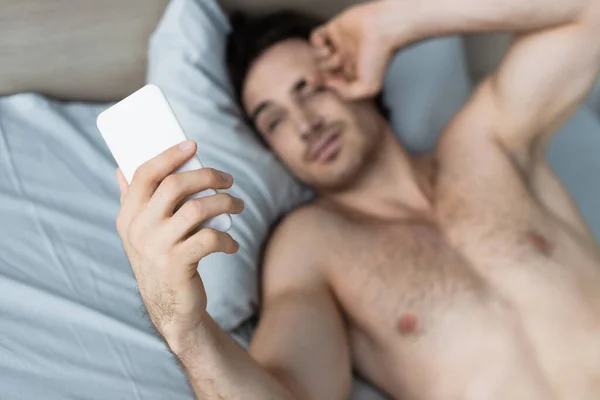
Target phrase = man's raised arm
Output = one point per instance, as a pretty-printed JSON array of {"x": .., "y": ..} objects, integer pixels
[
  {"x": 419, "y": 19},
  {"x": 549, "y": 68}
]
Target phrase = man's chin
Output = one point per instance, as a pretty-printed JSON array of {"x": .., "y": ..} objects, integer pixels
[
  {"x": 335, "y": 176},
  {"x": 334, "y": 182}
]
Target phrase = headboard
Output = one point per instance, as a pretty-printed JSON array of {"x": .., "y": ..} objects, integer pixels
[{"x": 95, "y": 50}]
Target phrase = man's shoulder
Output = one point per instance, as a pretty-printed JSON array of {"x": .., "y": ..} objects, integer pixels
[
  {"x": 300, "y": 235},
  {"x": 303, "y": 226},
  {"x": 295, "y": 251},
  {"x": 309, "y": 216}
]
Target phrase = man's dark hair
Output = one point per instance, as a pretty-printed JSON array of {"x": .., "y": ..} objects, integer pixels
[{"x": 252, "y": 35}]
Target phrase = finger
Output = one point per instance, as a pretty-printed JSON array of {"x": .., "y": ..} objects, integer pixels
[
  {"x": 359, "y": 90},
  {"x": 320, "y": 40},
  {"x": 339, "y": 83},
  {"x": 123, "y": 185},
  {"x": 349, "y": 89},
  {"x": 349, "y": 68},
  {"x": 149, "y": 175},
  {"x": 195, "y": 211},
  {"x": 175, "y": 187},
  {"x": 204, "y": 242},
  {"x": 333, "y": 63}
]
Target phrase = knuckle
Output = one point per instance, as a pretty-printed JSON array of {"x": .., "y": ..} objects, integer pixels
[
  {"x": 197, "y": 209},
  {"x": 315, "y": 37},
  {"x": 145, "y": 173},
  {"x": 193, "y": 210},
  {"x": 173, "y": 182},
  {"x": 210, "y": 239},
  {"x": 142, "y": 171},
  {"x": 213, "y": 176},
  {"x": 226, "y": 200}
]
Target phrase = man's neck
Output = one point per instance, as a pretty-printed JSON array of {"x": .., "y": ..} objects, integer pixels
[{"x": 393, "y": 185}]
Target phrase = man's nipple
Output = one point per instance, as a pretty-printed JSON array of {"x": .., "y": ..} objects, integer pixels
[
  {"x": 408, "y": 324},
  {"x": 539, "y": 242}
]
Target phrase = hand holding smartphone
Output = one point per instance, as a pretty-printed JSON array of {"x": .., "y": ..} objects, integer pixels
[
  {"x": 142, "y": 126},
  {"x": 166, "y": 210}
]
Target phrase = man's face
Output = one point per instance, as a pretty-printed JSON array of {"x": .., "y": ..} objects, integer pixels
[{"x": 324, "y": 140}]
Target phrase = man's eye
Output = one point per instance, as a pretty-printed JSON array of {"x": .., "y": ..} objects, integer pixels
[
  {"x": 316, "y": 89},
  {"x": 273, "y": 124},
  {"x": 310, "y": 90}
]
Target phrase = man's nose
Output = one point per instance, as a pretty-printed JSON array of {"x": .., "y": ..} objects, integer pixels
[{"x": 308, "y": 122}]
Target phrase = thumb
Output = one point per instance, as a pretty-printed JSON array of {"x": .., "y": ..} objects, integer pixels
[
  {"x": 321, "y": 42},
  {"x": 123, "y": 185}
]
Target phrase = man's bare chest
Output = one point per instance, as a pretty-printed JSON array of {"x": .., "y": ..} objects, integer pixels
[
  {"x": 414, "y": 282},
  {"x": 415, "y": 264},
  {"x": 386, "y": 272}
]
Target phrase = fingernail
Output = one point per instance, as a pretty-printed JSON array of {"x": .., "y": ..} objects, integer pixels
[
  {"x": 239, "y": 203},
  {"x": 226, "y": 177},
  {"x": 188, "y": 144}
]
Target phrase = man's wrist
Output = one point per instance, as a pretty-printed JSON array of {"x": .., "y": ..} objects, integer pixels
[
  {"x": 187, "y": 341},
  {"x": 393, "y": 22}
]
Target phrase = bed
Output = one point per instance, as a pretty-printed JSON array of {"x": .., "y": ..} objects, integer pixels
[{"x": 72, "y": 325}]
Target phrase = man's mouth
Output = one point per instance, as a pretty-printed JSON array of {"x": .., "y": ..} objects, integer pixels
[{"x": 327, "y": 147}]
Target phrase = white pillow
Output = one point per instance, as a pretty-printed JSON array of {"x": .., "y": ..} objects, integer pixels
[{"x": 427, "y": 83}]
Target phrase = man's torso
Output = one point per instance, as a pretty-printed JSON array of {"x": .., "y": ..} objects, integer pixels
[{"x": 494, "y": 297}]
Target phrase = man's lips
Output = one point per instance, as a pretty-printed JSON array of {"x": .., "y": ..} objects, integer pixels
[{"x": 326, "y": 146}]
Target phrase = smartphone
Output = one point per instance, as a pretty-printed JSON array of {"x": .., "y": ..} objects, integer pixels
[{"x": 142, "y": 126}]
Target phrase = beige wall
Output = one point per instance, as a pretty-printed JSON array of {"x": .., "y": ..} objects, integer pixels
[
  {"x": 96, "y": 49},
  {"x": 73, "y": 49}
]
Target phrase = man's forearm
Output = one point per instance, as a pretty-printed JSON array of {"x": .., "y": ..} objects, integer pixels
[
  {"x": 219, "y": 369},
  {"x": 408, "y": 21}
]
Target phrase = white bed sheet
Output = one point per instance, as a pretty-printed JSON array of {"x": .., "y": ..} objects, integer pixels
[{"x": 71, "y": 321}]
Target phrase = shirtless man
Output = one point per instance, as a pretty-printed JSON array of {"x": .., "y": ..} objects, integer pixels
[{"x": 468, "y": 274}]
